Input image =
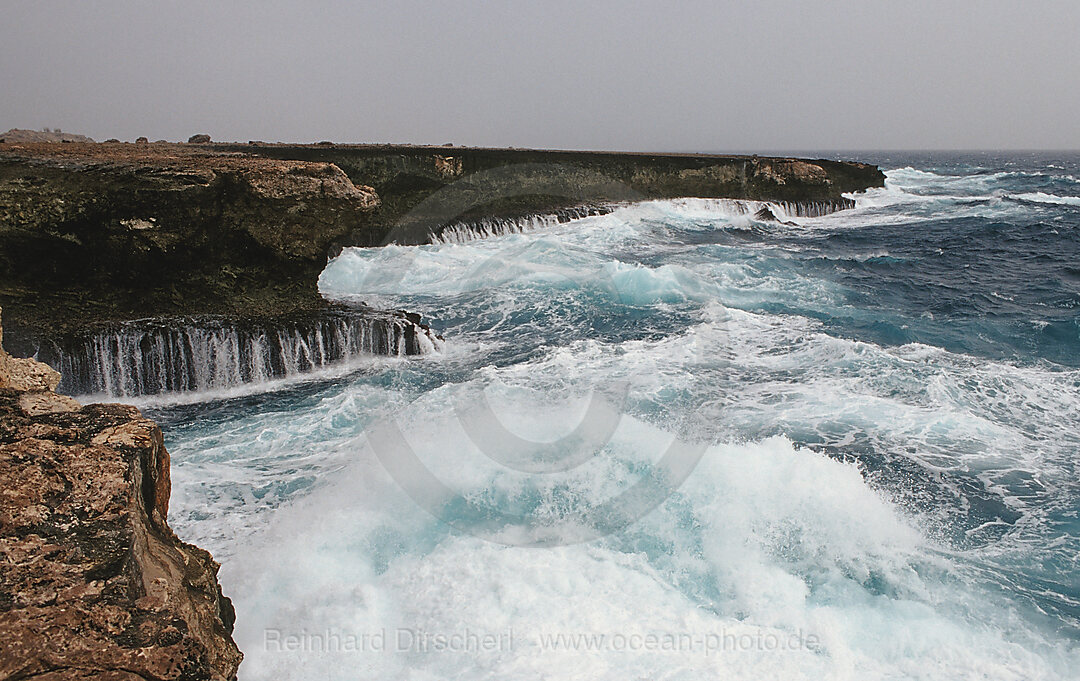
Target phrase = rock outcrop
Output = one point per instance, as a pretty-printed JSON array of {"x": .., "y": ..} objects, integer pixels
[
  {"x": 19, "y": 136},
  {"x": 113, "y": 232},
  {"x": 94, "y": 584}
]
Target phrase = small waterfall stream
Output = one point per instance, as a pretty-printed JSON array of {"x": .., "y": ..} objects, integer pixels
[
  {"x": 813, "y": 209},
  {"x": 481, "y": 228},
  {"x": 149, "y": 357},
  {"x": 464, "y": 231}
]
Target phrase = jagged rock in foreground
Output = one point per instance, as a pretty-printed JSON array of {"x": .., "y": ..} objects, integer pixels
[{"x": 94, "y": 584}]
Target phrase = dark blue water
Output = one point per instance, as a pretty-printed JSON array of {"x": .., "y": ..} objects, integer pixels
[
  {"x": 886, "y": 401},
  {"x": 991, "y": 265}
]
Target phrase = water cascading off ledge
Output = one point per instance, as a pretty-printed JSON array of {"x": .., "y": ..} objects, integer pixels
[{"x": 195, "y": 354}]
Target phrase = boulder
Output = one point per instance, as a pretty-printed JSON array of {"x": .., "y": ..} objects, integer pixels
[
  {"x": 25, "y": 374},
  {"x": 199, "y": 139}
]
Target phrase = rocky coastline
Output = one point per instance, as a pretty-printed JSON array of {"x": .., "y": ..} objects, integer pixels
[
  {"x": 155, "y": 248},
  {"x": 98, "y": 234}
]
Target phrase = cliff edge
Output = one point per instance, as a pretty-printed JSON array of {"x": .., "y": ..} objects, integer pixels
[
  {"x": 93, "y": 233},
  {"x": 94, "y": 583}
]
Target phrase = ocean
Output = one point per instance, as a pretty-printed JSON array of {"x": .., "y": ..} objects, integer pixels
[{"x": 675, "y": 441}]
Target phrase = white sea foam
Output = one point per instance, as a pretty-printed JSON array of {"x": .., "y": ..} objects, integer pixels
[
  {"x": 913, "y": 196},
  {"x": 776, "y": 540},
  {"x": 544, "y": 262},
  {"x": 763, "y": 538},
  {"x": 1043, "y": 197}
]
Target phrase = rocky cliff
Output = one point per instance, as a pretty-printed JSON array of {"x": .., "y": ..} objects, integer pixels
[
  {"x": 94, "y": 584},
  {"x": 111, "y": 232}
]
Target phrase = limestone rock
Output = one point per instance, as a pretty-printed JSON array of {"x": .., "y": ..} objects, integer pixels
[
  {"x": 448, "y": 166},
  {"x": 25, "y": 374},
  {"x": 134, "y": 231},
  {"x": 38, "y": 403},
  {"x": 18, "y": 136},
  {"x": 315, "y": 180},
  {"x": 94, "y": 582},
  {"x": 782, "y": 171}
]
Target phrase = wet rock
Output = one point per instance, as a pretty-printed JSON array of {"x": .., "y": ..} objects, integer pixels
[{"x": 765, "y": 214}]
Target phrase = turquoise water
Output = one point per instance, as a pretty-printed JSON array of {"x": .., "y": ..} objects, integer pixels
[{"x": 842, "y": 449}]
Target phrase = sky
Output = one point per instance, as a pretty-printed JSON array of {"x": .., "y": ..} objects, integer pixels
[{"x": 755, "y": 75}]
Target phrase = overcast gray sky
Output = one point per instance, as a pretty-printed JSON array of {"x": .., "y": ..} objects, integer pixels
[{"x": 715, "y": 76}]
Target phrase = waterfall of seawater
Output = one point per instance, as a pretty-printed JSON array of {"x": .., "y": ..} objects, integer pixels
[
  {"x": 152, "y": 357},
  {"x": 464, "y": 231}
]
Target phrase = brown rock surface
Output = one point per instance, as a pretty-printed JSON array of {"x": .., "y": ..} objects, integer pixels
[
  {"x": 782, "y": 171},
  {"x": 25, "y": 374},
  {"x": 94, "y": 583},
  {"x": 17, "y": 136}
]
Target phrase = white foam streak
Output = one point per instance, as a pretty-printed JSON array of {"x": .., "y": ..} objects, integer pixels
[{"x": 1043, "y": 197}]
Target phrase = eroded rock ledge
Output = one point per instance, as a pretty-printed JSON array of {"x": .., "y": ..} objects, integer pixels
[
  {"x": 94, "y": 233},
  {"x": 94, "y": 583}
]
